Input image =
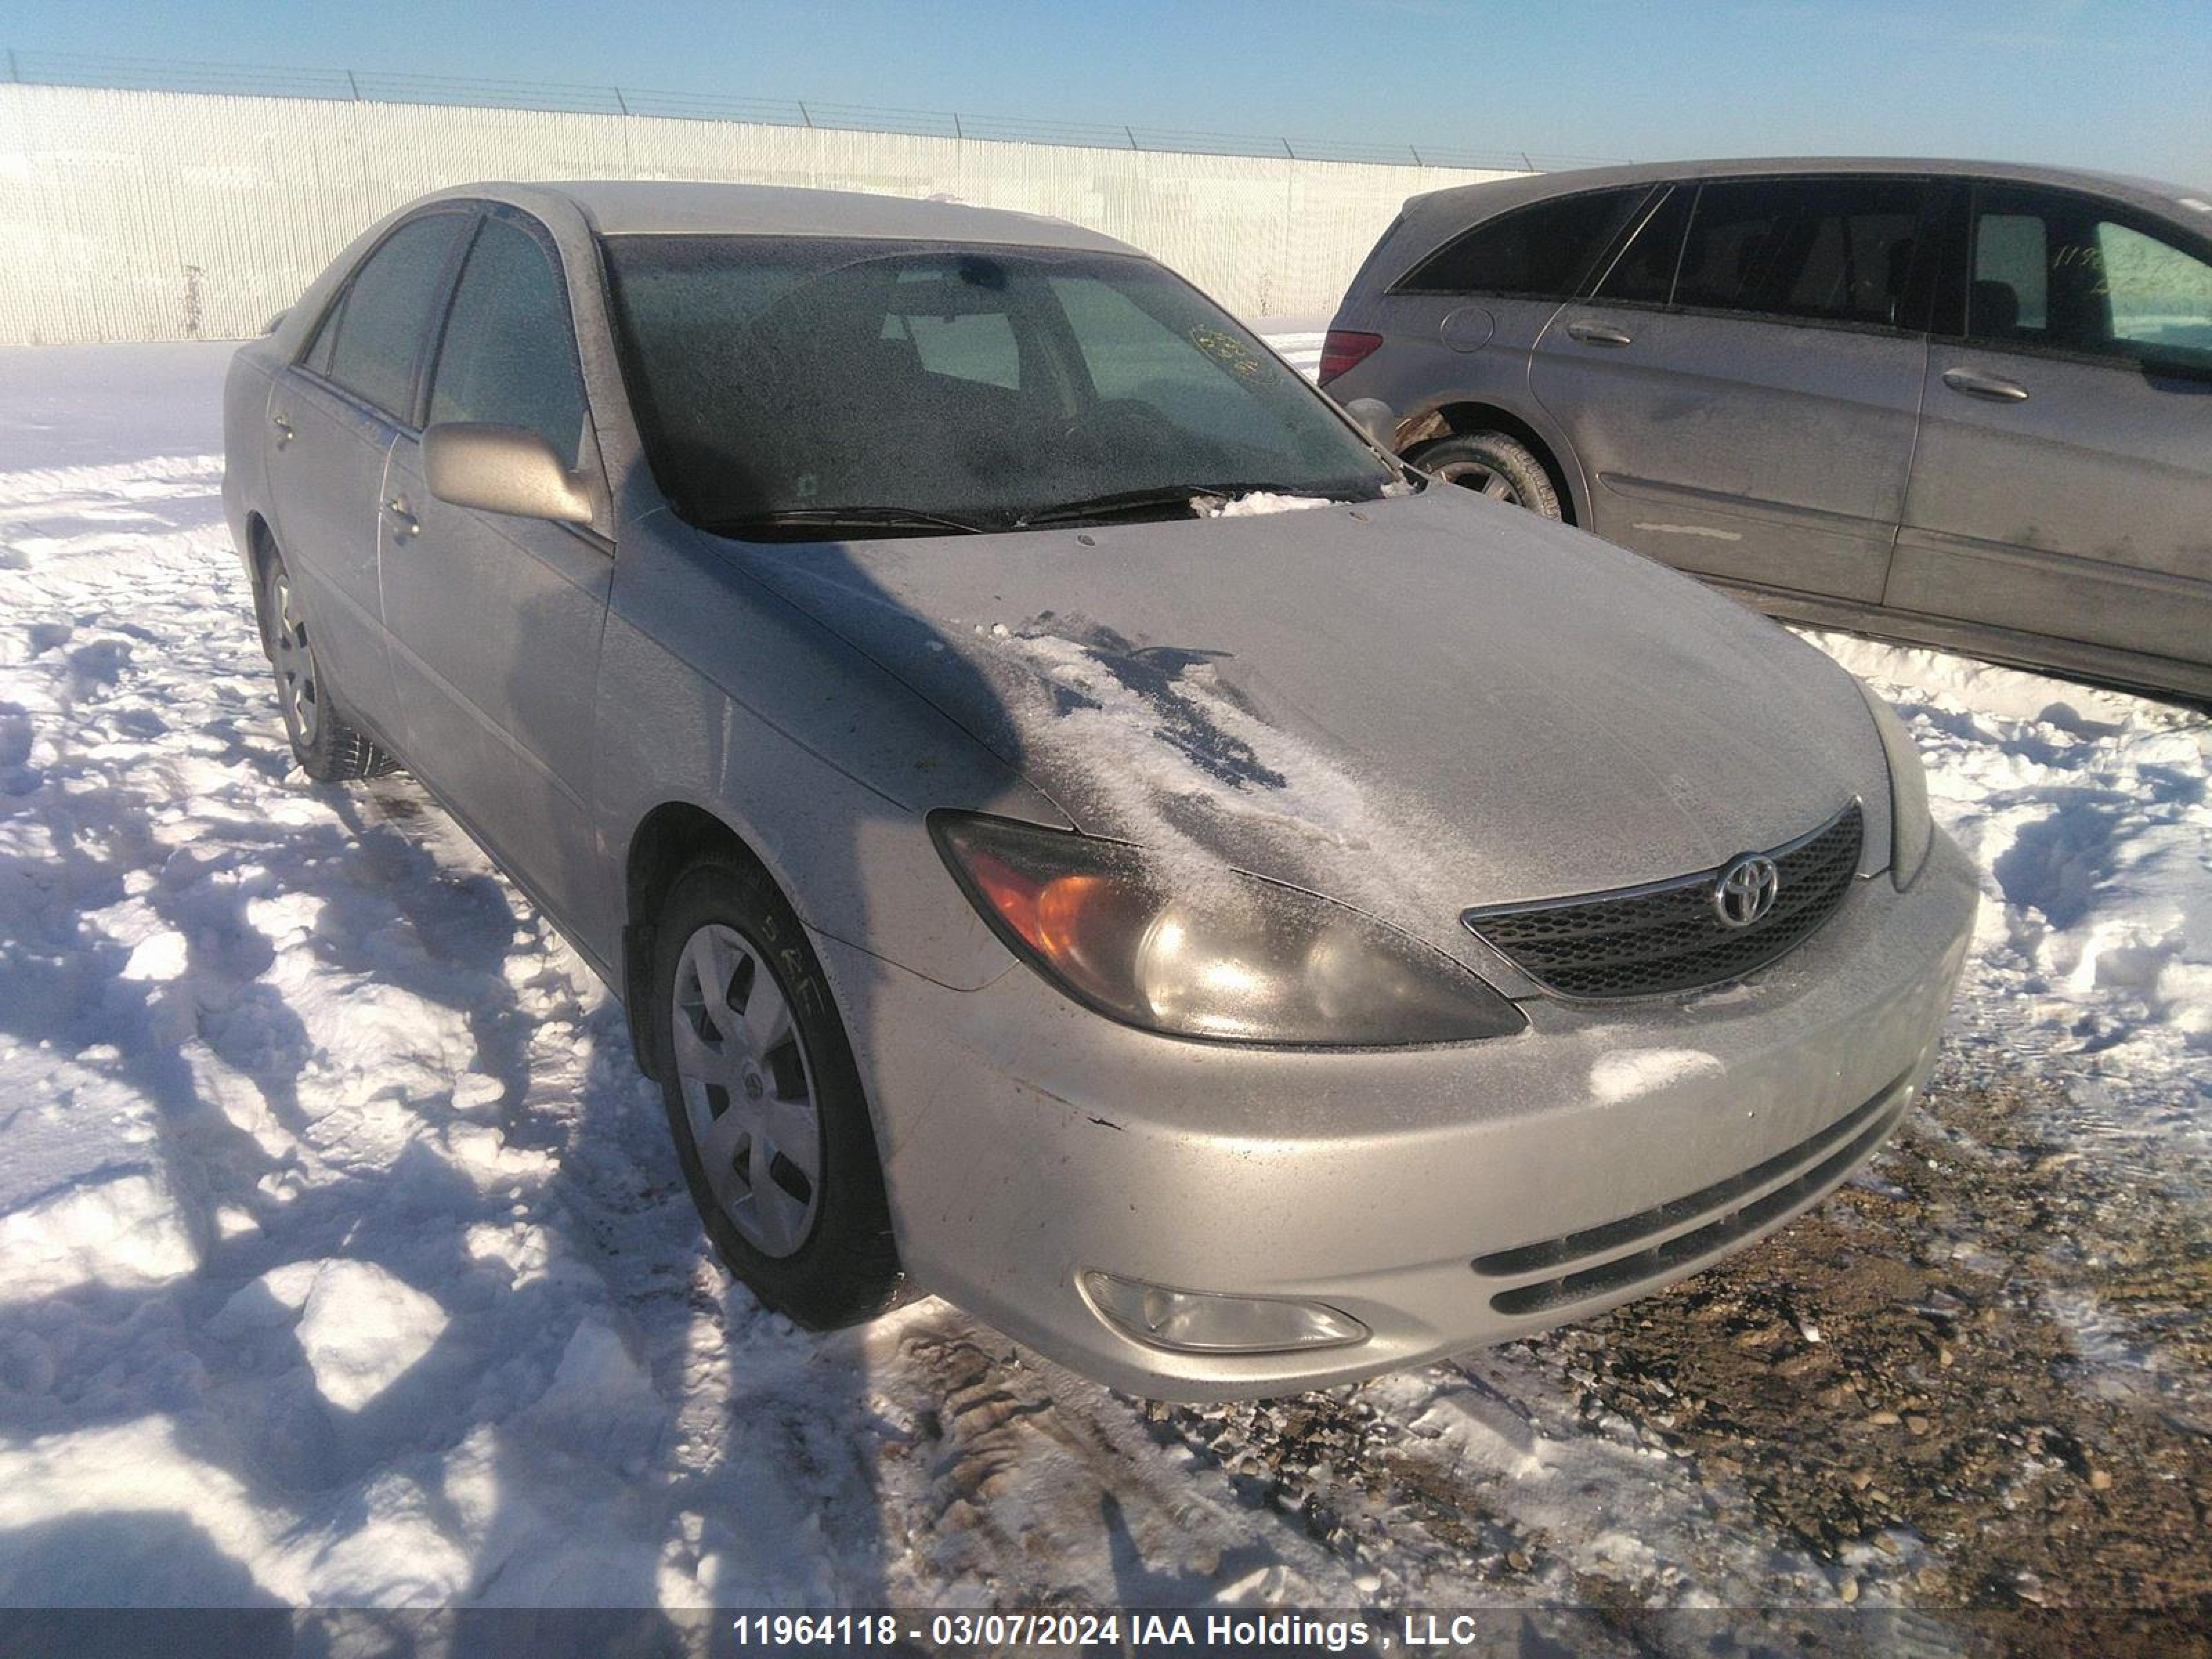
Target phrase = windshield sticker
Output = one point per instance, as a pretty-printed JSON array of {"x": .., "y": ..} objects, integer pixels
[{"x": 1225, "y": 349}]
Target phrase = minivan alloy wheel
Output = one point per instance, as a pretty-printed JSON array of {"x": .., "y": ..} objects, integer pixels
[
  {"x": 1482, "y": 479},
  {"x": 748, "y": 1093}
]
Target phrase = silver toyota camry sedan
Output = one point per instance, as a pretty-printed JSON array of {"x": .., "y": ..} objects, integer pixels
[{"x": 1076, "y": 827}]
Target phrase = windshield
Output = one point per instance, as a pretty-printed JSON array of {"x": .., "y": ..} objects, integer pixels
[{"x": 918, "y": 387}]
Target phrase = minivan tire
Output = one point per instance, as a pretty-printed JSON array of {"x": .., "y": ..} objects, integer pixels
[
  {"x": 1496, "y": 465},
  {"x": 844, "y": 1268},
  {"x": 328, "y": 746}
]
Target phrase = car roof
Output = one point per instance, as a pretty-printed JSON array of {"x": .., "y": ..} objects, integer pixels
[
  {"x": 1466, "y": 203},
  {"x": 675, "y": 208}
]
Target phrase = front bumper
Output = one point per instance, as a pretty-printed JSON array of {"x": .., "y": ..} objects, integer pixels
[{"x": 1444, "y": 1197}]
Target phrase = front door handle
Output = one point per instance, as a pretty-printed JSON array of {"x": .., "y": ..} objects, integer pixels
[
  {"x": 1599, "y": 334},
  {"x": 283, "y": 428},
  {"x": 404, "y": 521},
  {"x": 1984, "y": 386}
]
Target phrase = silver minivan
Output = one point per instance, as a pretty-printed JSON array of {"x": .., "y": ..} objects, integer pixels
[{"x": 1964, "y": 405}]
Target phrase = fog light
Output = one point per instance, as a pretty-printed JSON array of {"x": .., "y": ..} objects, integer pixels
[{"x": 1196, "y": 1322}]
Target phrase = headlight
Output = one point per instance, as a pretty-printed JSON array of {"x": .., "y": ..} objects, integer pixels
[
  {"x": 1911, "y": 831},
  {"x": 1210, "y": 951}
]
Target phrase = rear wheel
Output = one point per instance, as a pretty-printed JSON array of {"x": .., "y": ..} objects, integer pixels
[
  {"x": 328, "y": 749},
  {"x": 765, "y": 1101},
  {"x": 1495, "y": 464}
]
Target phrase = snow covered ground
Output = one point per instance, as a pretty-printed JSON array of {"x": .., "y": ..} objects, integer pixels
[{"x": 343, "y": 1258}]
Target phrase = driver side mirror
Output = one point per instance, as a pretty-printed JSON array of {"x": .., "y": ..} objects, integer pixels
[
  {"x": 1378, "y": 420},
  {"x": 502, "y": 469}
]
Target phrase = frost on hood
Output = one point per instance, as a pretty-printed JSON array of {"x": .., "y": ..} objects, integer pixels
[{"x": 1177, "y": 749}]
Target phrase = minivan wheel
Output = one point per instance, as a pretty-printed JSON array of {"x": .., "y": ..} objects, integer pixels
[
  {"x": 325, "y": 743},
  {"x": 764, "y": 1100},
  {"x": 1495, "y": 464}
]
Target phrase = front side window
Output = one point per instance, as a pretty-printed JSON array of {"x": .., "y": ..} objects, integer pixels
[
  {"x": 2061, "y": 272},
  {"x": 777, "y": 377},
  {"x": 509, "y": 352},
  {"x": 386, "y": 310},
  {"x": 1830, "y": 250},
  {"x": 1539, "y": 252}
]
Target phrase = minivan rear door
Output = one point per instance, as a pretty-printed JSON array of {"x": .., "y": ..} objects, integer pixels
[
  {"x": 2063, "y": 484},
  {"x": 1741, "y": 388}
]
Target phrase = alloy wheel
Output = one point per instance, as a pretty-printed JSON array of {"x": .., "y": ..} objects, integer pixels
[{"x": 1482, "y": 479}]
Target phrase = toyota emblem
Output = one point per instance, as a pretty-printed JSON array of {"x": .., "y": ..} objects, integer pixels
[{"x": 1745, "y": 890}]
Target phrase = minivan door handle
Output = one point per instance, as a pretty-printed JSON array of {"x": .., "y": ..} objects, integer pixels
[
  {"x": 1599, "y": 334},
  {"x": 1976, "y": 385}
]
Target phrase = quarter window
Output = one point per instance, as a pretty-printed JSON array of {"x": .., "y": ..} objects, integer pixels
[
  {"x": 509, "y": 354},
  {"x": 1539, "y": 252},
  {"x": 2061, "y": 271},
  {"x": 380, "y": 323},
  {"x": 1836, "y": 250}
]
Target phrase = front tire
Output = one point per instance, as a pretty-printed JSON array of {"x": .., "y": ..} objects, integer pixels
[
  {"x": 324, "y": 742},
  {"x": 765, "y": 1101},
  {"x": 1495, "y": 464}
]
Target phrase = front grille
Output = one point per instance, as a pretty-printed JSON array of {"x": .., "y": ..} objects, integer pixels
[
  {"x": 1642, "y": 940},
  {"x": 1607, "y": 1260}
]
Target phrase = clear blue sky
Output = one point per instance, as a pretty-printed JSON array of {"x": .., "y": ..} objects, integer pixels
[{"x": 2121, "y": 84}]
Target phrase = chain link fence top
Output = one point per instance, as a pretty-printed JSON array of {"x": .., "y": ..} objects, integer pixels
[{"x": 59, "y": 68}]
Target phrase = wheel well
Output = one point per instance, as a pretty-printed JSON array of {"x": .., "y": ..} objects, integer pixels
[
  {"x": 671, "y": 836},
  {"x": 1455, "y": 420}
]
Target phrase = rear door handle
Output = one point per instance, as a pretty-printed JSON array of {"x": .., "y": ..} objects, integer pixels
[
  {"x": 1599, "y": 334},
  {"x": 283, "y": 428},
  {"x": 1984, "y": 386},
  {"x": 404, "y": 521}
]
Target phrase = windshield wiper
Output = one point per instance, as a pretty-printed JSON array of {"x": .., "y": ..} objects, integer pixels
[
  {"x": 841, "y": 518},
  {"x": 1134, "y": 502}
]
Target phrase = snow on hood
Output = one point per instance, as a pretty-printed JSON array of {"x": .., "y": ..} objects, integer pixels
[
  {"x": 1252, "y": 505},
  {"x": 1413, "y": 705}
]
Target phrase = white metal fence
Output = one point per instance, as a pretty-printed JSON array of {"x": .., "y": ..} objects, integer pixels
[{"x": 155, "y": 216}]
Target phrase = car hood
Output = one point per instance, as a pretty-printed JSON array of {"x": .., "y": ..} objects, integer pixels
[{"x": 1415, "y": 705}]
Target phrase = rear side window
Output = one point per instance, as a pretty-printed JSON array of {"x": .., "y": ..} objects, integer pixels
[
  {"x": 509, "y": 354},
  {"x": 1835, "y": 250},
  {"x": 1540, "y": 251},
  {"x": 2062, "y": 272},
  {"x": 1644, "y": 272},
  {"x": 386, "y": 310}
]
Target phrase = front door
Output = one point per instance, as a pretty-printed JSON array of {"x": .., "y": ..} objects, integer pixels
[
  {"x": 1741, "y": 386},
  {"x": 2063, "y": 486},
  {"x": 495, "y": 620}
]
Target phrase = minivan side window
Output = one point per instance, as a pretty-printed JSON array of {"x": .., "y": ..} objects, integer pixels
[
  {"x": 1543, "y": 251},
  {"x": 509, "y": 352},
  {"x": 1830, "y": 250},
  {"x": 1644, "y": 272},
  {"x": 2061, "y": 272},
  {"x": 386, "y": 310}
]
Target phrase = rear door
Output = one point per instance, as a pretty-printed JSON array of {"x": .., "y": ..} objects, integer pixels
[
  {"x": 495, "y": 620},
  {"x": 332, "y": 418},
  {"x": 1459, "y": 324},
  {"x": 2063, "y": 485},
  {"x": 1742, "y": 385}
]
